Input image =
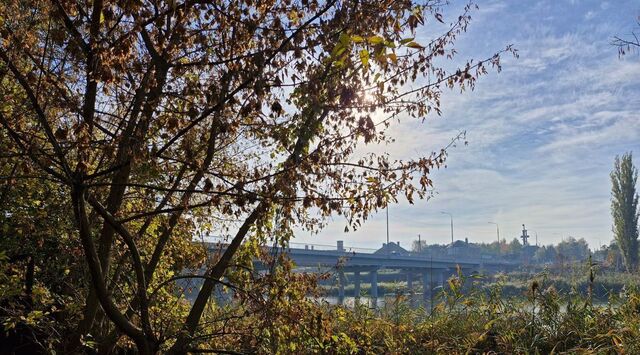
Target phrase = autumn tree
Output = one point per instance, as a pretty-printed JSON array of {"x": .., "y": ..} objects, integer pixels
[
  {"x": 624, "y": 209},
  {"x": 154, "y": 121}
]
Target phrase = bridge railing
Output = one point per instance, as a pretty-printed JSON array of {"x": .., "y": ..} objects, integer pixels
[
  {"x": 326, "y": 247},
  {"x": 209, "y": 239},
  {"x": 216, "y": 242}
]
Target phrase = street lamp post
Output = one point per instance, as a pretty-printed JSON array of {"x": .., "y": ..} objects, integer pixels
[
  {"x": 497, "y": 232},
  {"x": 451, "y": 216},
  {"x": 388, "y": 249}
]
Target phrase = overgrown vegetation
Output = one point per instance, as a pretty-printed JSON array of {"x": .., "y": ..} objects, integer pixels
[
  {"x": 605, "y": 285},
  {"x": 129, "y": 127},
  {"x": 545, "y": 323},
  {"x": 481, "y": 320}
]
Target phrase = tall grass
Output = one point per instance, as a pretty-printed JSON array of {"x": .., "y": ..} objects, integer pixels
[
  {"x": 484, "y": 321},
  {"x": 469, "y": 317}
]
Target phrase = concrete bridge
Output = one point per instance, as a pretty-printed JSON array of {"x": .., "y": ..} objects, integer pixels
[{"x": 431, "y": 269}]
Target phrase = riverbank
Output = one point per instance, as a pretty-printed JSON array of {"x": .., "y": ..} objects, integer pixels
[
  {"x": 512, "y": 285},
  {"x": 472, "y": 316}
]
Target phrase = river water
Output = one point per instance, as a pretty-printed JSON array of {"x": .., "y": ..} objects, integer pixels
[{"x": 350, "y": 301}]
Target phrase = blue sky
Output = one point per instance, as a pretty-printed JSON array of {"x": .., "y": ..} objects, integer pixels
[{"x": 542, "y": 134}]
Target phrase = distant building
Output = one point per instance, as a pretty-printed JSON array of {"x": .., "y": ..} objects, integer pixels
[
  {"x": 462, "y": 248},
  {"x": 392, "y": 249}
]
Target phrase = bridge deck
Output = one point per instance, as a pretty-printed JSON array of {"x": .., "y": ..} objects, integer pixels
[{"x": 354, "y": 260}]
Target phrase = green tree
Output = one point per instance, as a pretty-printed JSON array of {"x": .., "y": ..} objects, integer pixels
[
  {"x": 624, "y": 209},
  {"x": 573, "y": 249},
  {"x": 546, "y": 254},
  {"x": 514, "y": 246}
]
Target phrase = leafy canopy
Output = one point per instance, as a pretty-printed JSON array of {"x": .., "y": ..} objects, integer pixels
[{"x": 152, "y": 121}]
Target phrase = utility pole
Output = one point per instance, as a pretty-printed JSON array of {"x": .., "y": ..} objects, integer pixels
[{"x": 419, "y": 245}]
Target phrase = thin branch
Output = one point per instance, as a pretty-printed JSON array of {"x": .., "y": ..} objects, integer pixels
[
  {"x": 18, "y": 140},
  {"x": 42, "y": 118},
  {"x": 71, "y": 28}
]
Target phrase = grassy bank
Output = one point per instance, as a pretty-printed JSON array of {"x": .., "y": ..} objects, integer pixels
[
  {"x": 516, "y": 284},
  {"x": 602, "y": 288},
  {"x": 469, "y": 317}
]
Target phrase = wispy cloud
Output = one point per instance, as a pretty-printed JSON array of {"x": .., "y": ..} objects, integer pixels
[{"x": 543, "y": 133}]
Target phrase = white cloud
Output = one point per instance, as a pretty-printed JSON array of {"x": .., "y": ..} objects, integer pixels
[{"x": 542, "y": 134}]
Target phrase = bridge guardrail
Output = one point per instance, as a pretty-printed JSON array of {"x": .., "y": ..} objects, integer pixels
[{"x": 215, "y": 242}]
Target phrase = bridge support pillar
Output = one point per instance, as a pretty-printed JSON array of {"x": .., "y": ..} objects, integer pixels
[
  {"x": 374, "y": 285},
  {"x": 441, "y": 278},
  {"x": 356, "y": 286},
  {"x": 427, "y": 285},
  {"x": 481, "y": 268},
  {"x": 341, "y": 281},
  {"x": 410, "y": 288}
]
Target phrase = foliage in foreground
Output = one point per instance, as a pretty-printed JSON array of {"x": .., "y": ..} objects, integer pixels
[
  {"x": 278, "y": 312},
  {"x": 128, "y": 127},
  {"x": 492, "y": 325},
  {"x": 481, "y": 321}
]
